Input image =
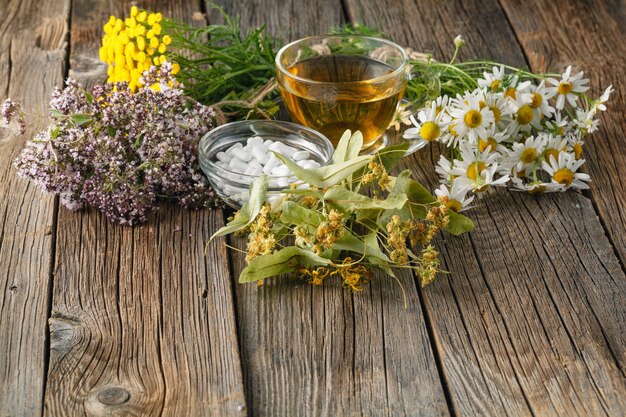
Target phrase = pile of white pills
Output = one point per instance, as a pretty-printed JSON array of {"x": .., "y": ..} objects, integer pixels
[{"x": 256, "y": 158}]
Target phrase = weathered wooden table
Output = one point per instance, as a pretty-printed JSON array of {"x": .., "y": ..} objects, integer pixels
[{"x": 98, "y": 319}]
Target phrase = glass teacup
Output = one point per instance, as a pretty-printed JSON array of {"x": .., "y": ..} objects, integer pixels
[{"x": 333, "y": 83}]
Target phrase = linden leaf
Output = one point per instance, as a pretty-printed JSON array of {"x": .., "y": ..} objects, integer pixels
[
  {"x": 281, "y": 262},
  {"x": 249, "y": 211},
  {"x": 419, "y": 201},
  {"x": 346, "y": 200},
  {"x": 294, "y": 213},
  {"x": 326, "y": 176},
  {"x": 341, "y": 149}
]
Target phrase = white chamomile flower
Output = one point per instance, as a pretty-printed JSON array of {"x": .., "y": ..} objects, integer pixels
[
  {"x": 559, "y": 125},
  {"x": 429, "y": 127},
  {"x": 525, "y": 116},
  {"x": 485, "y": 178},
  {"x": 586, "y": 122},
  {"x": 564, "y": 172},
  {"x": 492, "y": 80},
  {"x": 402, "y": 117},
  {"x": 493, "y": 141},
  {"x": 455, "y": 197},
  {"x": 441, "y": 104},
  {"x": 469, "y": 119},
  {"x": 517, "y": 94},
  {"x": 599, "y": 103},
  {"x": 524, "y": 155},
  {"x": 536, "y": 187},
  {"x": 567, "y": 87},
  {"x": 554, "y": 146},
  {"x": 575, "y": 144},
  {"x": 499, "y": 105},
  {"x": 539, "y": 100},
  {"x": 472, "y": 162},
  {"x": 444, "y": 169}
]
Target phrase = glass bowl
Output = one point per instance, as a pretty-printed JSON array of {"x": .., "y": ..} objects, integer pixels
[{"x": 233, "y": 187}]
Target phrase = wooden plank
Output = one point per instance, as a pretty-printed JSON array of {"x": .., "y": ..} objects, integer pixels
[
  {"x": 530, "y": 322},
  {"x": 142, "y": 322},
  {"x": 590, "y": 36},
  {"x": 33, "y": 46},
  {"x": 324, "y": 351}
]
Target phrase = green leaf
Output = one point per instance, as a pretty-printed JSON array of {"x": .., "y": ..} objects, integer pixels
[
  {"x": 281, "y": 262},
  {"x": 249, "y": 211},
  {"x": 294, "y": 213},
  {"x": 350, "y": 201},
  {"x": 328, "y": 175},
  {"x": 388, "y": 157},
  {"x": 420, "y": 198},
  {"x": 80, "y": 119},
  {"x": 111, "y": 130},
  {"x": 341, "y": 150},
  {"x": 56, "y": 113},
  {"x": 365, "y": 247}
]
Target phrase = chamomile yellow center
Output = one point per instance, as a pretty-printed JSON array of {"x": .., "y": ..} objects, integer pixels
[
  {"x": 564, "y": 176},
  {"x": 528, "y": 155},
  {"x": 510, "y": 93},
  {"x": 578, "y": 150},
  {"x": 495, "y": 85},
  {"x": 430, "y": 131},
  {"x": 548, "y": 154},
  {"x": 565, "y": 88},
  {"x": 474, "y": 170},
  {"x": 497, "y": 115},
  {"x": 453, "y": 130},
  {"x": 488, "y": 143},
  {"x": 524, "y": 115},
  {"x": 454, "y": 205},
  {"x": 537, "y": 100},
  {"x": 473, "y": 119},
  {"x": 482, "y": 104}
]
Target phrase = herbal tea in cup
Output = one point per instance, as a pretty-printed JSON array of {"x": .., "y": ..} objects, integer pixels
[{"x": 334, "y": 83}]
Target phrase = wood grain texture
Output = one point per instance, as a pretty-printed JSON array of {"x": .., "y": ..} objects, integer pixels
[
  {"x": 531, "y": 320},
  {"x": 323, "y": 351},
  {"x": 33, "y": 46},
  {"x": 591, "y": 36},
  {"x": 142, "y": 322}
]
